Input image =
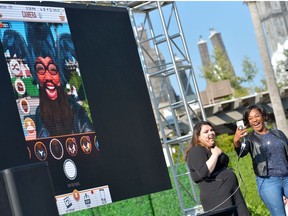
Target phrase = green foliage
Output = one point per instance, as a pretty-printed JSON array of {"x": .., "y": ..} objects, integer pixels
[
  {"x": 208, "y": 73},
  {"x": 85, "y": 105},
  {"x": 127, "y": 207},
  {"x": 262, "y": 88},
  {"x": 224, "y": 141},
  {"x": 221, "y": 69},
  {"x": 250, "y": 70},
  {"x": 281, "y": 71},
  {"x": 75, "y": 80},
  {"x": 241, "y": 92},
  {"x": 31, "y": 88},
  {"x": 88, "y": 212},
  {"x": 177, "y": 154}
]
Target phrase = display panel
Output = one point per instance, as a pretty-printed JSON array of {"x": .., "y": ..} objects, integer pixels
[{"x": 98, "y": 68}]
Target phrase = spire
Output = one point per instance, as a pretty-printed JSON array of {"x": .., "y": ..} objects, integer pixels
[
  {"x": 201, "y": 40},
  {"x": 212, "y": 32}
]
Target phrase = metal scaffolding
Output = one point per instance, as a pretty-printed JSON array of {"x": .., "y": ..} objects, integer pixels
[{"x": 172, "y": 87}]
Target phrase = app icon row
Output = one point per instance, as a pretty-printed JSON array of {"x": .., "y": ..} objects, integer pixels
[{"x": 56, "y": 148}]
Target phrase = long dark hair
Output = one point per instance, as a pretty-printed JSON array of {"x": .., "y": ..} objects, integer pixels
[
  {"x": 258, "y": 107},
  {"x": 195, "y": 137}
]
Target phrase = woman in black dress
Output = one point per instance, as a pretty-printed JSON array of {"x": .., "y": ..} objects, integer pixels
[{"x": 219, "y": 188}]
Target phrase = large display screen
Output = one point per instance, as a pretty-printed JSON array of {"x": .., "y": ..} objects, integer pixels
[{"x": 82, "y": 102}]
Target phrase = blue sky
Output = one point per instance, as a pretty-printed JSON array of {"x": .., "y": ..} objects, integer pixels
[{"x": 230, "y": 18}]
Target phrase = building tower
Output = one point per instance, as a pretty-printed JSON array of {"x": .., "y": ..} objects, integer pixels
[
  {"x": 204, "y": 52},
  {"x": 217, "y": 43},
  {"x": 214, "y": 90}
]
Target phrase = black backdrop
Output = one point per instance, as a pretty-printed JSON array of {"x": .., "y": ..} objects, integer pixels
[{"x": 131, "y": 160}]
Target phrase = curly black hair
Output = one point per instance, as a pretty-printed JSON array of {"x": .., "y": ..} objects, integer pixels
[{"x": 258, "y": 107}]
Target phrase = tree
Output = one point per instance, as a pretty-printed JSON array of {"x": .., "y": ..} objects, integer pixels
[
  {"x": 281, "y": 69},
  {"x": 269, "y": 74},
  {"x": 263, "y": 87},
  {"x": 221, "y": 69},
  {"x": 250, "y": 70}
]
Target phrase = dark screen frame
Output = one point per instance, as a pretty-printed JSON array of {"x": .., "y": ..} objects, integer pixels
[{"x": 131, "y": 160}]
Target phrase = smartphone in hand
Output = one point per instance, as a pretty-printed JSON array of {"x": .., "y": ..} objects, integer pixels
[{"x": 240, "y": 125}]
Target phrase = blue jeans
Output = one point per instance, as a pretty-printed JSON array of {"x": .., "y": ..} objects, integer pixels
[{"x": 271, "y": 191}]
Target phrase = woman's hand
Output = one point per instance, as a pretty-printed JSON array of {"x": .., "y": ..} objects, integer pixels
[
  {"x": 212, "y": 161},
  {"x": 216, "y": 151},
  {"x": 239, "y": 133}
]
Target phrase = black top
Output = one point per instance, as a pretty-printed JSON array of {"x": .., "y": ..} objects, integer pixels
[
  {"x": 196, "y": 161},
  {"x": 219, "y": 190}
]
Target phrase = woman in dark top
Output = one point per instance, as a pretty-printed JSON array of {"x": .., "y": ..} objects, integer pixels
[
  {"x": 269, "y": 152},
  {"x": 207, "y": 163}
]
